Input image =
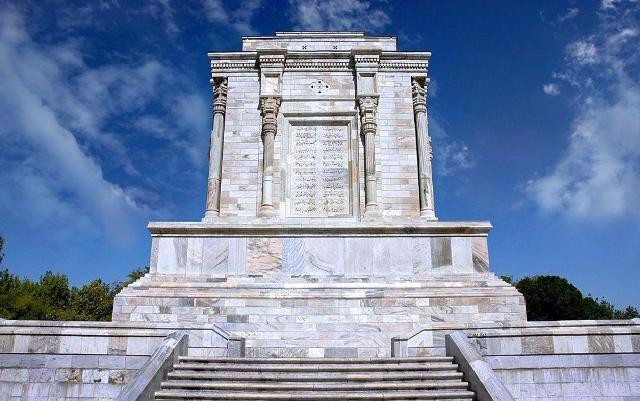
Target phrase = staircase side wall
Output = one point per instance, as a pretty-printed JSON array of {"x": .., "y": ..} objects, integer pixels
[{"x": 597, "y": 363}]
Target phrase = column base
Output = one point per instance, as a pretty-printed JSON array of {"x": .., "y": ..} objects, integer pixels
[
  {"x": 211, "y": 216},
  {"x": 267, "y": 211},
  {"x": 428, "y": 215},
  {"x": 372, "y": 212}
]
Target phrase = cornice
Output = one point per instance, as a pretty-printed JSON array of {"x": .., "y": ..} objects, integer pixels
[{"x": 318, "y": 60}]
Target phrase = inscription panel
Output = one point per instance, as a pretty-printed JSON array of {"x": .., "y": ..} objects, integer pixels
[{"x": 319, "y": 175}]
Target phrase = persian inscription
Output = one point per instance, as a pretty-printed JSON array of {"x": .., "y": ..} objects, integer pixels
[{"x": 319, "y": 171}]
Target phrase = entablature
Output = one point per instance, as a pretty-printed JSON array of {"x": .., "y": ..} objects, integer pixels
[{"x": 249, "y": 61}]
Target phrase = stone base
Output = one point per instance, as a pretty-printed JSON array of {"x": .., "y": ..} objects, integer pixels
[
  {"x": 319, "y": 317},
  {"x": 325, "y": 290}
]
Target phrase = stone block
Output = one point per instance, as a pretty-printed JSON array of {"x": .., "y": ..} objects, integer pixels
[{"x": 537, "y": 345}]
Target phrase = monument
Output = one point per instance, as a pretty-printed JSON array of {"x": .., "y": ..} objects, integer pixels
[
  {"x": 319, "y": 270},
  {"x": 320, "y": 236}
]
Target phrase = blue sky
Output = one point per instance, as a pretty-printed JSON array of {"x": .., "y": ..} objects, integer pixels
[{"x": 534, "y": 112}]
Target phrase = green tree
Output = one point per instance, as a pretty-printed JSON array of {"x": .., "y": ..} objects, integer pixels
[
  {"x": 93, "y": 301},
  {"x": 554, "y": 298},
  {"x": 550, "y": 298}
]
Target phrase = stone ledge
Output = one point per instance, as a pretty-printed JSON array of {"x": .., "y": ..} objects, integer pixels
[
  {"x": 259, "y": 228},
  {"x": 517, "y": 362}
]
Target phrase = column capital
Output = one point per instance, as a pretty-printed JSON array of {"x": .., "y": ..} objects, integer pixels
[
  {"x": 269, "y": 106},
  {"x": 419, "y": 94},
  {"x": 368, "y": 106},
  {"x": 220, "y": 89}
]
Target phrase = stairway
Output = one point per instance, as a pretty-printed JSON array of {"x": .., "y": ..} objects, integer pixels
[{"x": 279, "y": 379}]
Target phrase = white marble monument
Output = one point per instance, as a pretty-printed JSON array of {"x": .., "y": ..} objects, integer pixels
[{"x": 320, "y": 236}]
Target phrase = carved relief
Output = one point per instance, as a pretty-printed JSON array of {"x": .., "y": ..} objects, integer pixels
[
  {"x": 220, "y": 89},
  {"x": 269, "y": 110},
  {"x": 318, "y": 86},
  {"x": 319, "y": 179},
  {"x": 368, "y": 109}
]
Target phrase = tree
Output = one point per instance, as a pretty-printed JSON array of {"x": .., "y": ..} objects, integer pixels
[
  {"x": 554, "y": 298},
  {"x": 93, "y": 301},
  {"x": 1, "y": 248},
  {"x": 52, "y": 298},
  {"x": 550, "y": 298}
]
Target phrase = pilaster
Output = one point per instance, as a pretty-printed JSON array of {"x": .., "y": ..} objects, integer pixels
[
  {"x": 220, "y": 88},
  {"x": 423, "y": 141},
  {"x": 366, "y": 63},
  {"x": 271, "y": 64}
]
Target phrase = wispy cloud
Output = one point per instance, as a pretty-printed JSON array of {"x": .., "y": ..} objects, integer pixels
[
  {"x": 239, "y": 18},
  {"x": 338, "y": 15},
  {"x": 599, "y": 174},
  {"x": 450, "y": 156},
  {"x": 68, "y": 128},
  {"x": 570, "y": 14},
  {"x": 551, "y": 89}
]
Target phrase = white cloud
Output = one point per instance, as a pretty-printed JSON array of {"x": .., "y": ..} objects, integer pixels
[
  {"x": 582, "y": 52},
  {"x": 551, "y": 89},
  {"x": 570, "y": 14},
  {"x": 239, "y": 19},
  {"x": 337, "y": 15},
  {"x": 598, "y": 176},
  {"x": 67, "y": 130},
  {"x": 450, "y": 156}
]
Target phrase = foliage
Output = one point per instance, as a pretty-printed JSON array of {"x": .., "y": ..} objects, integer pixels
[
  {"x": 554, "y": 298},
  {"x": 51, "y": 298}
]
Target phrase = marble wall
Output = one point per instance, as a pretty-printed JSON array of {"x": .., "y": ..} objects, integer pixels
[
  {"x": 597, "y": 363},
  {"x": 326, "y": 256},
  {"x": 312, "y": 88},
  {"x": 75, "y": 361}
]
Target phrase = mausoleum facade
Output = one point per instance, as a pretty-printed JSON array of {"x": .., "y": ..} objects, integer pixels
[
  {"x": 320, "y": 236},
  {"x": 319, "y": 269}
]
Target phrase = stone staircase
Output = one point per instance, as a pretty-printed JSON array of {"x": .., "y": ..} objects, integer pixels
[{"x": 279, "y": 379}]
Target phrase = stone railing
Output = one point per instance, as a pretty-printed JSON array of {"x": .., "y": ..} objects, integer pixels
[
  {"x": 436, "y": 332},
  {"x": 235, "y": 345},
  {"x": 477, "y": 372},
  {"x": 92, "y": 359},
  {"x": 148, "y": 379}
]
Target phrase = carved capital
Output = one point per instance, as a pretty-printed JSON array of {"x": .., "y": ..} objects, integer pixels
[
  {"x": 368, "y": 106},
  {"x": 269, "y": 107},
  {"x": 419, "y": 95},
  {"x": 220, "y": 88}
]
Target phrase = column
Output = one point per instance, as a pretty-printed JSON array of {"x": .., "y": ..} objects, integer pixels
[
  {"x": 368, "y": 107},
  {"x": 366, "y": 64},
  {"x": 269, "y": 106},
  {"x": 425, "y": 153},
  {"x": 216, "y": 140}
]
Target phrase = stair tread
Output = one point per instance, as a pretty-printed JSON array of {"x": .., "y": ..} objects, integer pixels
[
  {"x": 315, "y": 395},
  {"x": 316, "y": 367},
  {"x": 324, "y": 386},
  {"x": 326, "y": 376},
  {"x": 316, "y": 360}
]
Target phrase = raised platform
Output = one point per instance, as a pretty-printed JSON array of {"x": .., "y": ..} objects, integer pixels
[{"x": 339, "y": 290}]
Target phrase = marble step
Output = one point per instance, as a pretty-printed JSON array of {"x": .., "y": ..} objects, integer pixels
[
  {"x": 298, "y": 367},
  {"x": 311, "y": 377},
  {"x": 314, "y": 386},
  {"x": 318, "y": 361},
  {"x": 315, "y": 395}
]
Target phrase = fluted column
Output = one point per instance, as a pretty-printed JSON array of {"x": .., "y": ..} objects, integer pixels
[
  {"x": 269, "y": 106},
  {"x": 368, "y": 106},
  {"x": 215, "y": 149},
  {"x": 425, "y": 153}
]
